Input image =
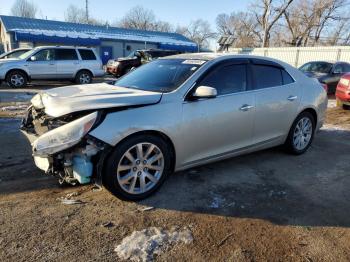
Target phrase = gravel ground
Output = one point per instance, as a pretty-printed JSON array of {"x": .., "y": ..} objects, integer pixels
[{"x": 266, "y": 206}]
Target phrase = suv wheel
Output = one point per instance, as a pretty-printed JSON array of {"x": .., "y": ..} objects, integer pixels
[
  {"x": 137, "y": 167},
  {"x": 83, "y": 77},
  {"x": 301, "y": 134},
  {"x": 16, "y": 79}
]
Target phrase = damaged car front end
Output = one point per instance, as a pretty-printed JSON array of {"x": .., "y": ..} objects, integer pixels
[{"x": 61, "y": 146}]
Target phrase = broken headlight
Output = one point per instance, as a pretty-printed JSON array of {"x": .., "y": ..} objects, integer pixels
[{"x": 64, "y": 136}]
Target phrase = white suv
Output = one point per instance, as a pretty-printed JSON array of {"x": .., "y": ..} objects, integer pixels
[{"x": 78, "y": 64}]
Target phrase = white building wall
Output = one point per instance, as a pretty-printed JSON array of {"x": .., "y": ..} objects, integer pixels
[{"x": 298, "y": 56}]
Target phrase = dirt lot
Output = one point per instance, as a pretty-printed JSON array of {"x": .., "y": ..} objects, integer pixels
[{"x": 266, "y": 206}]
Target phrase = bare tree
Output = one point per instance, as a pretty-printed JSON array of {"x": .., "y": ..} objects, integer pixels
[
  {"x": 267, "y": 13},
  {"x": 24, "y": 8},
  {"x": 242, "y": 26},
  {"x": 78, "y": 15},
  {"x": 142, "y": 18},
  {"x": 138, "y": 18},
  {"x": 198, "y": 31},
  {"x": 75, "y": 14},
  {"x": 308, "y": 20}
]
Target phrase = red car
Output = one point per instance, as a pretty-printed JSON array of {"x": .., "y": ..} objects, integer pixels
[{"x": 343, "y": 91}]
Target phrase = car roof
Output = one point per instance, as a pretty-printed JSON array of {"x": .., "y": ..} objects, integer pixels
[
  {"x": 70, "y": 47},
  {"x": 223, "y": 56}
]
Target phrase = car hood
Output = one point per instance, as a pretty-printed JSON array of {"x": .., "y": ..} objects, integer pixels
[
  {"x": 64, "y": 100},
  {"x": 9, "y": 60},
  {"x": 316, "y": 75}
]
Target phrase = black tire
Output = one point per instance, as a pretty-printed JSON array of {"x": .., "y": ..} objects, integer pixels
[
  {"x": 16, "y": 79},
  {"x": 289, "y": 144},
  {"x": 83, "y": 77},
  {"x": 110, "y": 180}
]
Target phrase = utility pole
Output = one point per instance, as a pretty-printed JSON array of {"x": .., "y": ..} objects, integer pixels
[{"x": 87, "y": 10}]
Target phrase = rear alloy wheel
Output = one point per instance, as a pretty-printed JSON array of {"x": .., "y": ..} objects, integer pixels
[
  {"x": 301, "y": 134},
  {"x": 138, "y": 167},
  {"x": 83, "y": 77},
  {"x": 16, "y": 79}
]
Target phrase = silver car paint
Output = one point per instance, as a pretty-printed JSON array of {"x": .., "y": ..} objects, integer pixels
[
  {"x": 208, "y": 130},
  {"x": 63, "y": 100},
  {"x": 51, "y": 69}
]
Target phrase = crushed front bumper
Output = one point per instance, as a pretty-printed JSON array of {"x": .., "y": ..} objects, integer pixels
[{"x": 72, "y": 165}]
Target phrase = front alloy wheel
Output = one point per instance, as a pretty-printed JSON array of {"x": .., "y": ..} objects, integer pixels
[
  {"x": 137, "y": 167},
  {"x": 140, "y": 168},
  {"x": 17, "y": 79}
]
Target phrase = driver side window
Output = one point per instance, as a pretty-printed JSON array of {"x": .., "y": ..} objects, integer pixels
[
  {"x": 227, "y": 79},
  {"x": 45, "y": 55}
]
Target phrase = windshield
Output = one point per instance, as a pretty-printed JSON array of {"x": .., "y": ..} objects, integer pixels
[
  {"x": 164, "y": 75},
  {"x": 26, "y": 54},
  {"x": 132, "y": 54},
  {"x": 317, "y": 67}
]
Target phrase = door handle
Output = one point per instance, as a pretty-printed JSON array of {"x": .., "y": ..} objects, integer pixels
[
  {"x": 292, "y": 98},
  {"x": 51, "y": 64},
  {"x": 246, "y": 107}
]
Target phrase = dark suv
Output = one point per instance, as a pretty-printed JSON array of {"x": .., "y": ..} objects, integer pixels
[{"x": 121, "y": 66}]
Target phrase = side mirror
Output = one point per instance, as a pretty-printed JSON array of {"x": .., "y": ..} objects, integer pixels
[
  {"x": 205, "y": 92},
  {"x": 33, "y": 58}
]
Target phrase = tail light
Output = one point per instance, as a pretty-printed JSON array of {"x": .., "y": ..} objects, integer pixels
[{"x": 325, "y": 87}]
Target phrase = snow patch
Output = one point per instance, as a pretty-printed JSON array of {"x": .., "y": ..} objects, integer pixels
[
  {"x": 14, "y": 108},
  {"x": 328, "y": 127},
  {"x": 143, "y": 245},
  {"x": 332, "y": 103}
]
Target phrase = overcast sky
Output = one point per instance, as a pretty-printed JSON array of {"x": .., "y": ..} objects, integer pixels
[{"x": 177, "y": 12}]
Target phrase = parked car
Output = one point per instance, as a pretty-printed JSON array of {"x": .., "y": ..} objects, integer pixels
[
  {"x": 121, "y": 66},
  {"x": 328, "y": 73},
  {"x": 78, "y": 64},
  {"x": 14, "y": 53},
  {"x": 169, "y": 115},
  {"x": 343, "y": 92}
]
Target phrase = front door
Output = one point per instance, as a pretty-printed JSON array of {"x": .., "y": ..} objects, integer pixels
[
  {"x": 42, "y": 64},
  {"x": 224, "y": 124},
  {"x": 277, "y": 98},
  {"x": 106, "y": 54}
]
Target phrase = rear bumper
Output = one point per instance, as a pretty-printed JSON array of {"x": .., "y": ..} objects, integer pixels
[{"x": 344, "y": 97}]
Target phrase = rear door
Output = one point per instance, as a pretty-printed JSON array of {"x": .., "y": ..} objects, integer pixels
[
  {"x": 67, "y": 62},
  {"x": 42, "y": 64},
  {"x": 277, "y": 98},
  {"x": 224, "y": 124}
]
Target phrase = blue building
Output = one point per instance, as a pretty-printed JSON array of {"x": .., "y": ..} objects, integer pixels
[{"x": 110, "y": 42}]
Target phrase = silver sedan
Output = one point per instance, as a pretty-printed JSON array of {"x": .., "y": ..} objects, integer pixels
[{"x": 169, "y": 115}]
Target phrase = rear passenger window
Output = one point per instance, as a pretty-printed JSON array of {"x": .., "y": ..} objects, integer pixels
[
  {"x": 87, "y": 54},
  {"x": 227, "y": 79},
  {"x": 267, "y": 76},
  {"x": 287, "y": 79},
  {"x": 66, "y": 54}
]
